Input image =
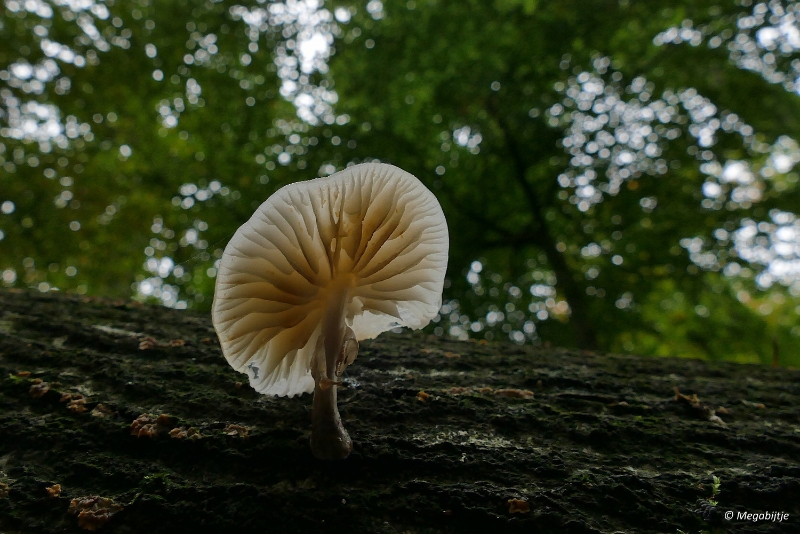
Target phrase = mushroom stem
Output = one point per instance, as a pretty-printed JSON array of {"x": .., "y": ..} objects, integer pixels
[{"x": 329, "y": 439}]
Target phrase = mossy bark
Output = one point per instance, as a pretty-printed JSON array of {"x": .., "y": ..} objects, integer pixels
[{"x": 446, "y": 436}]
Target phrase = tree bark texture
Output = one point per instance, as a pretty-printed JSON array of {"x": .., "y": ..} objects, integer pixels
[{"x": 448, "y": 436}]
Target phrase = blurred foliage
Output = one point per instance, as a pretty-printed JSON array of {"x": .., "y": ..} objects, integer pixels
[{"x": 616, "y": 175}]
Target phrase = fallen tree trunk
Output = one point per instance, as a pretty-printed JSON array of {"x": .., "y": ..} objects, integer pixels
[{"x": 449, "y": 436}]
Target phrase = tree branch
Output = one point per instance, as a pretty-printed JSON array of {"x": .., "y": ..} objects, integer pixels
[{"x": 474, "y": 215}]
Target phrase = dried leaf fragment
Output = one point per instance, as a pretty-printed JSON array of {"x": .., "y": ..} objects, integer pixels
[
  {"x": 716, "y": 419},
  {"x": 183, "y": 432},
  {"x": 177, "y": 343},
  {"x": 148, "y": 343},
  {"x": 23, "y": 374},
  {"x": 38, "y": 389},
  {"x": 53, "y": 491},
  {"x": 101, "y": 410},
  {"x": 701, "y": 410},
  {"x": 692, "y": 400},
  {"x": 93, "y": 512},
  {"x": 149, "y": 426},
  {"x": 452, "y": 355},
  {"x": 77, "y": 404},
  {"x": 518, "y": 506},
  {"x": 237, "y": 430},
  {"x": 422, "y": 396}
]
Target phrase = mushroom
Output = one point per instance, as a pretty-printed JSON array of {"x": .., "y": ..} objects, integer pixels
[{"x": 320, "y": 266}]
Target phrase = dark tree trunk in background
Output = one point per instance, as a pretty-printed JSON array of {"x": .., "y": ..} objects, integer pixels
[
  {"x": 504, "y": 438},
  {"x": 585, "y": 335},
  {"x": 540, "y": 234}
]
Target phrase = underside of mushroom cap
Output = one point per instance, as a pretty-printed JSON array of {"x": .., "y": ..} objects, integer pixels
[{"x": 373, "y": 228}]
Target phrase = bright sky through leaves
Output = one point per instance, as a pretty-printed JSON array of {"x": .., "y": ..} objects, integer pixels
[{"x": 629, "y": 190}]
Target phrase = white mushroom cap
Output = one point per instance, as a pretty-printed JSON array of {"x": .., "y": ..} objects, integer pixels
[{"x": 372, "y": 226}]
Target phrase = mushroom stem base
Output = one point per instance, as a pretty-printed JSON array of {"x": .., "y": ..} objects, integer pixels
[{"x": 329, "y": 439}]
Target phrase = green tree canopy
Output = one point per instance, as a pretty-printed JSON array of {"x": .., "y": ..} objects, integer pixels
[{"x": 616, "y": 175}]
